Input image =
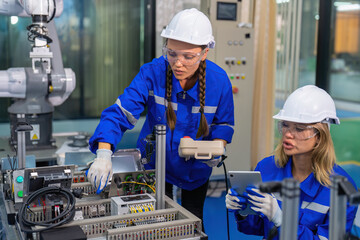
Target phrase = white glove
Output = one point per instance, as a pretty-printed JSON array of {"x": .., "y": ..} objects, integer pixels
[
  {"x": 234, "y": 201},
  {"x": 213, "y": 162},
  {"x": 100, "y": 171},
  {"x": 266, "y": 204}
]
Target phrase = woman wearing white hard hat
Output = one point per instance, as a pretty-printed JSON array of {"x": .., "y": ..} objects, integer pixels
[
  {"x": 305, "y": 153},
  {"x": 181, "y": 89}
]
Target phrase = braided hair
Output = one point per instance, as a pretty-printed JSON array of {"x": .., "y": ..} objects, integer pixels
[
  {"x": 203, "y": 127},
  {"x": 170, "y": 114}
]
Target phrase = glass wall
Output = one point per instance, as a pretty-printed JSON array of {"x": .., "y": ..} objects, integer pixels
[
  {"x": 345, "y": 61},
  {"x": 296, "y": 70},
  {"x": 101, "y": 41}
]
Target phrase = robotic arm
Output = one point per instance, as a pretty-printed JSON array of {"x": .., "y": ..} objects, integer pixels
[
  {"x": 47, "y": 83},
  {"x": 27, "y": 8}
]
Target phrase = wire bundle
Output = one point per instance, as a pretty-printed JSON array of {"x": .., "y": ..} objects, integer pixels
[{"x": 61, "y": 218}]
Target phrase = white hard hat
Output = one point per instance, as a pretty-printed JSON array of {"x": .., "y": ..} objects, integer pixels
[
  {"x": 190, "y": 26},
  {"x": 309, "y": 104}
]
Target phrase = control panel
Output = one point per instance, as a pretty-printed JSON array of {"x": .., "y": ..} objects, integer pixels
[
  {"x": 18, "y": 185},
  {"x": 27, "y": 181},
  {"x": 234, "y": 52}
]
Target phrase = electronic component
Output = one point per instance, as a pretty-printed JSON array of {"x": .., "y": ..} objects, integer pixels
[
  {"x": 130, "y": 183},
  {"x": 26, "y": 181},
  {"x": 78, "y": 215},
  {"x": 132, "y": 204},
  {"x": 200, "y": 149},
  {"x": 59, "y": 176}
]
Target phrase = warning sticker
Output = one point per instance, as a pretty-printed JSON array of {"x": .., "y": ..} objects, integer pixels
[{"x": 35, "y": 133}]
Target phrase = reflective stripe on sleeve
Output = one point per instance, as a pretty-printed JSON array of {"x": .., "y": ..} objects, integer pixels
[
  {"x": 128, "y": 115},
  {"x": 322, "y": 238},
  {"x": 315, "y": 207}
]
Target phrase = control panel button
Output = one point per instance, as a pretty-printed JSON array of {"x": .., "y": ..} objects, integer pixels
[
  {"x": 235, "y": 89},
  {"x": 20, "y": 194},
  {"x": 20, "y": 179}
]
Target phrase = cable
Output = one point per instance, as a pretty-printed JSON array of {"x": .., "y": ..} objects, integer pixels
[
  {"x": 227, "y": 211},
  {"x": 145, "y": 184},
  {"x": 32, "y": 34},
  {"x": 64, "y": 217},
  {"x": 273, "y": 232},
  {"x": 53, "y": 13}
]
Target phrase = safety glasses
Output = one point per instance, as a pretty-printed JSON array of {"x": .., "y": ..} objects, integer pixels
[
  {"x": 186, "y": 58},
  {"x": 298, "y": 130}
]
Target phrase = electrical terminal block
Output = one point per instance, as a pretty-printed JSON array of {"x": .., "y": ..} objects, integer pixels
[
  {"x": 132, "y": 204},
  {"x": 120, "y": 225},
  {"x": 149, "y": 221},
  {"x": 93, "y": 211},
  {"x": 75, "y": 179},
  {"x": 102, "y": 210}
]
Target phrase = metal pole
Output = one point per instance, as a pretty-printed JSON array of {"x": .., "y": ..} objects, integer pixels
[
  {"x": 160, "y": 166},
  {"x": 290, "y": 192},
  {"x": 21, "y": 149},
  {"x": 337, "y": 229},
  {"x": 21, "y": 128}
]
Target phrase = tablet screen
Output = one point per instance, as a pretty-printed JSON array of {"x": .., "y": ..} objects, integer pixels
[{"x": 239, "y": 180}]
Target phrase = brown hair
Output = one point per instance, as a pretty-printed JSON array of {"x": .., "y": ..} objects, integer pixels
[
  {"x": 170, "y": 114},
  {"x": 323, "y": 155}
]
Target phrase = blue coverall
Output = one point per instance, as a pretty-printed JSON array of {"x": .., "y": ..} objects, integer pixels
[
  {"x": 314, "y": 204},
  {"x": 148, "y": 89}
]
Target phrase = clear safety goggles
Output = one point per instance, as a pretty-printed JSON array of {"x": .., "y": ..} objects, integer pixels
[
  {"x": 298, "y": 130},
  {"x": 186, "y": 58}
]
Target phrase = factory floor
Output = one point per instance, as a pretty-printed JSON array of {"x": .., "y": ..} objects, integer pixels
[{"x": 215, "y": 219}]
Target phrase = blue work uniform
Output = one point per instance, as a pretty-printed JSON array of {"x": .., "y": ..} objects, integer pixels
[
  {"x": 314, "y": 204},
  {"x": 355, "y": 231},
  {"x": 148, "y": 89}
]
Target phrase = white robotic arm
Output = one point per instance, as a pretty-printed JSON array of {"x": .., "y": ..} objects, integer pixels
[
  {"x": 27, "y": 8},
  {"x": 47, "y": 83}
]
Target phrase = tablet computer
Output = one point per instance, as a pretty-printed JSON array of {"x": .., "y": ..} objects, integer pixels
[{"x": 239, "y": 180}]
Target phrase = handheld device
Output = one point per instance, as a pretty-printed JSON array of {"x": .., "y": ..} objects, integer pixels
[
  {"x": 204, "y": 150},
  {"x": 239, "y": 180}
]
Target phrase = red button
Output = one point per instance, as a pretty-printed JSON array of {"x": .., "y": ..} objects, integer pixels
[
  {"x": 187, "y": 137},
  {"x": 235, "y": 89}
]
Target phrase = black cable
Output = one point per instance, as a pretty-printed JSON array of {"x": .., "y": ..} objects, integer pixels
[
  {"x": 273, "y": 232},
  {"x": 14, "y": 161},
  {"x": 64, "y": 217},
  {"x": 10, "y": 162},
  {"x": 227, "y": 211},
  {"x": 54, "y": 12},
  {"x": 32, "y": 34}
]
